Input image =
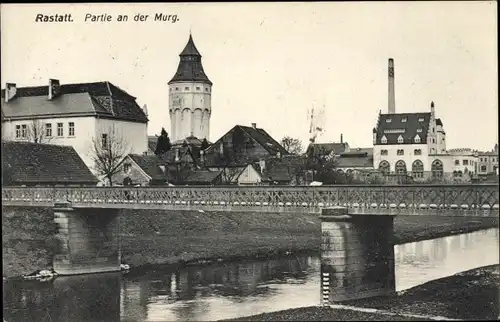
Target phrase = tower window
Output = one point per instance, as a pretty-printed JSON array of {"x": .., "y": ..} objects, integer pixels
[
  {"x": 206, "y": 89},
  {"x": 177, "y": 88},
  {"x": 186, "y": 88},
  {"x": 197, "y": 88},
  {"x": 388, "y": 120},
  {"x": 403, "y": 120}
]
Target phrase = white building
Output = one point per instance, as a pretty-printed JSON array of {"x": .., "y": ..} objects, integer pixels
[
  {"x": 75, "y": 115},
  {"x": 410, "y": 143},
  {"x": 190, "y": 97}
]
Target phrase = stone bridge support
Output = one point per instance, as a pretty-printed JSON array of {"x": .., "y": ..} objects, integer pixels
[
  {"x": 89, "y": 240},
  {"x": 357, "y": 256}
]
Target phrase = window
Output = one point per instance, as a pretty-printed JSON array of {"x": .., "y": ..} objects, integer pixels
[
  {"x": 400, "y": 139},
  {"x": 18, "y": 131},
  {"x": 48, "y": 129},
  {"x": 384, "y": 152},
  {"x": 421, "y": 119},
  {"x": 186, "y": 88},
  {"x": 388, "y": 120},
  {"x": 71, "y": 129},
  {"x": 400, "y": 167},
  {"x": 197, "y": 88},
  {"x": 127, "y": 167},
  {"x": 104, "y": 141},
  {"x": 433, "y": 140},
  {"x": 417, "y": 169},
  {"x": 419, "y": 130},
  {"x": 437, "y": 169},
  {"x": 177, "y": 88},
  {"x": 433, "y": 130},
  {"x": 206, "y": 89},
  {"x": 401, "y": 152},
  {"x": 383, "y": 140},
  {"x": 24, "y": 131},
  {"x": 417, "y": 139},
  {"x": 384, "y": 167},
  {"x": 403, "y": 120},
  {"x": 483, "y": 168},
  {"x": 465, "y": 162},
  {"x": 457, "y": 162},
  {"x": 417, "y": 152},
  {"x": 60, "y": 130}
]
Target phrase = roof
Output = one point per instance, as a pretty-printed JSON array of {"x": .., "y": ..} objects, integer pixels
[
  {"x": 31, "y": 163},
  {"x": 190, "y": 68},
  {"x": 327, "y": 148},
  {"x": 264, "y": 139},
  {"x": 202, "y": 177},
  {"x": 95, "y": 99},
  {"x": 149, "y": 164},
  {"x": 488, "y": 153},
  {"x": 359, "y": 151},
  {"x": 152, "y": 141},
  {"x": 408, "y": 125},
  {"x": 354, "y": 162}
]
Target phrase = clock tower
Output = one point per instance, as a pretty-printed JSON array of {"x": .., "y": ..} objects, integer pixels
[{"x": 190, "y": 97}]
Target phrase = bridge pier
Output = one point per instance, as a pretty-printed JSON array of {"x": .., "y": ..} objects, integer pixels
[
  {"x": 89, "y": 240},
  {"x": 357, "y": 256}
]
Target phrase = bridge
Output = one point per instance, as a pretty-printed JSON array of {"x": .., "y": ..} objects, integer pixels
[
  {"x": 89, "y": 227},
  {"x": 451, "y": 200}
]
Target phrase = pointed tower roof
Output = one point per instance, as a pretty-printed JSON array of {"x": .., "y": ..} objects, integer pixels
[{"x": 190, "y": 68}]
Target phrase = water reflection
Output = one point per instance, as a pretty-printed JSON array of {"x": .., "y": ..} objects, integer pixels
[
  {"x": 227, "y": 290},
  {"x": 436, "y": 258}
]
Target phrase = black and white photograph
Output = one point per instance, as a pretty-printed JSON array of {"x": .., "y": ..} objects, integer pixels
[{"x": 250, "y": 161}]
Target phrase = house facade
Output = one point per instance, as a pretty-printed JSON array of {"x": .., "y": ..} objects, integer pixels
[
  {"x": 488, "y": 162},
  {"x": 411, "y": 144},
  {"x": 74, "y": 115}
]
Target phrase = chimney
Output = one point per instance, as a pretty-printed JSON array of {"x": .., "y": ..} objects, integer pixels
[
  {"x": 54, "y": 88},
  {"x": 432, "y": 108},
  {"x": 341, "y": 138},
  {"x": 145, "y": 109},
  {"x": 10, "y": 91},
  {"x": 254, "y": 125},
  {"x": 392, "y": 98}
]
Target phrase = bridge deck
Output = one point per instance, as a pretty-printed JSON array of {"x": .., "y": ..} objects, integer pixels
[{"x": 456, "y": 200}]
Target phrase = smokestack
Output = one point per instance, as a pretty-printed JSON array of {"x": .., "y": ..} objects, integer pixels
[
  {"x": 10, "y": 91},
  {"x": 54, "y": 88},
  {"x": 341, "y": 138},
  {"x": 392, "y": 98},
  {"x": 254, "y": 125}
]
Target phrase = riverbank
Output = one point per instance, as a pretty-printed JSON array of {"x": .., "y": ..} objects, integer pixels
[
  {"x": 154, "y": 237},
  {"x": 470, "y": 295}
]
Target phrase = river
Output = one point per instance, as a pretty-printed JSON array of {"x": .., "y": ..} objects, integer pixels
[{"x": 227, "y": 290}]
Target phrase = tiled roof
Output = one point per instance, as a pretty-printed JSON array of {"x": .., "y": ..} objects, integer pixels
[
  {"x": 202, "y": 177},
  {"x": 150, "y": 165},
  {"x": 408, "y": 125},
  {"x": 354, "y": 162},
  {"x": 265, "y": 140},
  {"x": 327, "y": 148},
  {"x": 31, "y": 163},
  {"x": 190, "y": 68},
  {"x": 100, "y": 98}
]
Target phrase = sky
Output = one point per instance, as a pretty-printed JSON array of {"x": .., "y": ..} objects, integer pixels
[{"x": 272, "y": 62}]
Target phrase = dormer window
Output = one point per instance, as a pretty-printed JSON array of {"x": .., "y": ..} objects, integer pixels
[
  {"x": 420, "y": 119},
  {"x": 400, "y": 139},
  {"x": 388, "y": 120},
  {"x": 403, "y": 120},
  {"x": 417, "y": 139},
  {"x": 419, "y": 130},
  {"x": 383, "y": 140}
]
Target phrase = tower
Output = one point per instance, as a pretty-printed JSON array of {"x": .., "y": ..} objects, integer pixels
[{"x": 190, "y": 97}]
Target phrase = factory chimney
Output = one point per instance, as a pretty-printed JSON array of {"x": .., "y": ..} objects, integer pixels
[{"x": 392, "y": 98}]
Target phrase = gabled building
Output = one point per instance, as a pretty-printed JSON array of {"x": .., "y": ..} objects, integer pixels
[
  {"x": 35, "y": 164},
  {"x": 242, "y": 145},
  {"x": 488, "y": 162},
  {"x": 73, "y": 115},
  {"x": 332, "y": 149}
]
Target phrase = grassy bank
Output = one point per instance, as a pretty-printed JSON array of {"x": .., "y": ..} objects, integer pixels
[
  {"x": 470, "y": 295},
  {"x": 153, "y": 237}
]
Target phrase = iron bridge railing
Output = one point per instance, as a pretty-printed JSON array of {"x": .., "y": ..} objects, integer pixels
[{"x": 473, "y": 196}]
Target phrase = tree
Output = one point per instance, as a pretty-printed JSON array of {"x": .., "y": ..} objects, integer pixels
[
  {"x": 163, "y": 144},
  {"x": 108, "y": 151},
  {"x": 293, "y": 146},
  {"x": 35, "y": 132},
  {"x": 204, "y": 144}
]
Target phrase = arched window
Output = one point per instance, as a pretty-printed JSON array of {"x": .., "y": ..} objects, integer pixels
[
  {"x": 384, "y": 167},
  {"x": 340, "y": 171},
  {"x": 417, "y": 168},
  {"x": 400, "y": 167},
  {"x": 437, "y": 169}
]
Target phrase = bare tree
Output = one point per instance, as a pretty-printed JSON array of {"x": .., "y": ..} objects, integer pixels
[
  {"x": 293, "y": 146},
  {"x": 108, "y": 150},
  {"x": 36, "y": 132}
]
